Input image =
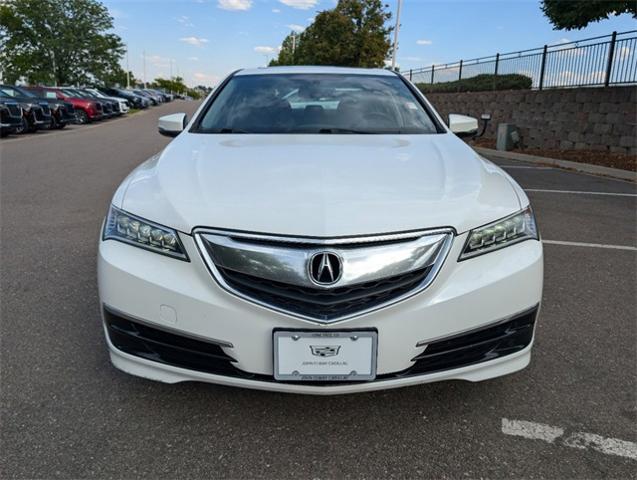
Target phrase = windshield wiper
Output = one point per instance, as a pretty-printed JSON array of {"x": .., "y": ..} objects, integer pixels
[
  {"x": 231, "y": 130},
  {"x": 343, "y": 130}
]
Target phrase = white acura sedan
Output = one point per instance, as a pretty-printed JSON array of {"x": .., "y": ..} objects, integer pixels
[{"x": 319, "y": 230}]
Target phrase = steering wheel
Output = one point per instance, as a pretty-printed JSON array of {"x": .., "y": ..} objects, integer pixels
[{"x": 380, "y": 117}]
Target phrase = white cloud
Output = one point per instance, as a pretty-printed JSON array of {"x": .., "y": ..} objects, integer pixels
[
  {"x": 276, "y": 10},
  {"x": 195, "y": 41},
  {"x": 185, "y": 21},
  {"x": 424, "y": 42},
  {"x": 206, "y": 78},
  {"x": 300, "y": 4},
  {"x": 158, "y": 61},
  {"x": 193, "y": 59},
  {"x": 234, "y": 4},
  {"x": 296, "y": 28},
  {"x": 265, "y": 50}
]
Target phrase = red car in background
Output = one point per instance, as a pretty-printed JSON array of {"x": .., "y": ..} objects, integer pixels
[{"x": 86, "y": 110}]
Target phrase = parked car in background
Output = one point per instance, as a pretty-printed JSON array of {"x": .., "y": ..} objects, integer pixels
[
  {"x": 86, "y": 110},
  {"x": 124, "y": 106},
  {"x": 166, "y": 97},
  {"x": 62, "y": 112},
  {"x": 36, "y": 113},
  {"x": 136, "y": 101},
  {"x": 110, "y": 108},
  {"x": 152, "y": 98},
  {"x": 10, "y": 116}
]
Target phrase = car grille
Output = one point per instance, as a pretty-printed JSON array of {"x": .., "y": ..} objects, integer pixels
[
  {"x": 46, "y": 110},
  {"x": 325, "y": 304},
  {"x": 275, "y": 272},
  {"x": 14, "y": 110},
  {"x": 116, "y": 107},
  {"x": 38, "y": 114},
  {"x": 98, "y": 107}
]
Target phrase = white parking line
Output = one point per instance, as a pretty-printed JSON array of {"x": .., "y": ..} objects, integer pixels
[
  {"x": 577, "y": 192},
  {"x": 589, "y": 245},
  {"x": 579, "y": 440}
]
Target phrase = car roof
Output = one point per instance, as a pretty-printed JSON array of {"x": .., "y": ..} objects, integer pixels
[{"x": 315, "y": 69}]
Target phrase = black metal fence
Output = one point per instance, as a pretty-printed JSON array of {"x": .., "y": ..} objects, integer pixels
[{"x": 598, "y": 61}]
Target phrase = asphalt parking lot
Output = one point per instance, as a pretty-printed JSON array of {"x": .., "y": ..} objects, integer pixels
[{"x": 66, "y": 413}]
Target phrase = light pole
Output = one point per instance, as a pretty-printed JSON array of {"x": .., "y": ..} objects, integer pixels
[
  {"x": 396, "y": 30},
  {"x": 144, "y": 55},
  {"x": 127, "y": 70}
]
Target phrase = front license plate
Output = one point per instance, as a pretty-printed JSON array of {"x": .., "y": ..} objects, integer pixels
[{"x": 324, "y": 355}]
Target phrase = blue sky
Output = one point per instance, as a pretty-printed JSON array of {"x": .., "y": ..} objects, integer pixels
[{"x": 203, "y": 40}]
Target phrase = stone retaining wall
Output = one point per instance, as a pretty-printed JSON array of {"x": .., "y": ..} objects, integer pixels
[{"x": 602, "y": 119}]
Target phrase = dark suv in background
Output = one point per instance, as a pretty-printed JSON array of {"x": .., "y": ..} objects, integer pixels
[
  {"x": 10, "y": 116},
  {"x": 62, "y": 113},
  {"x": 36, "y": 112},
  {"x": 136, "y": 101}
]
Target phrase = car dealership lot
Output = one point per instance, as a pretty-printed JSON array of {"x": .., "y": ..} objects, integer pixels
[{"x": 67, "y": 413}]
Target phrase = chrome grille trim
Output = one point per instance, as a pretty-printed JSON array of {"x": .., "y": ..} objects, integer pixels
[{"x": 283, "y": 259}]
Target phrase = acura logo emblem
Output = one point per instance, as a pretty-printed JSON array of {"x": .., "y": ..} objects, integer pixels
[{"x": 325, "y": 268}]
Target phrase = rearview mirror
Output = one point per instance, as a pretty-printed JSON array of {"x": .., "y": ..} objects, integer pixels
[
  {"x": 172, "y": 125},
  {"x": 462, "y": 125}
]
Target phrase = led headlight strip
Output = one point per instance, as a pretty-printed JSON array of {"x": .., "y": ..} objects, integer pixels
[
  {"x": 128, "y": 228},
  {"x": 504, "y": 232}
]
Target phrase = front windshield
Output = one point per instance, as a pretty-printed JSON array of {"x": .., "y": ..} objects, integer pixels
[{"x": 316, "y": 103}]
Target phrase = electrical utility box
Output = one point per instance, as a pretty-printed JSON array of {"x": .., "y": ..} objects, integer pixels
[{"x": 508, "y": 137}]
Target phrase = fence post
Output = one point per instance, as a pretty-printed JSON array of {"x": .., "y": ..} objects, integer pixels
[
  {"x": 460, "y": 71},
  {"x": 611, "y": 54},
  {"x": 495, "y": 70},
  {"x": 410, "y": 74},
  {"x": 543, "y": 67},
  {"x": 432, "y": 74}
]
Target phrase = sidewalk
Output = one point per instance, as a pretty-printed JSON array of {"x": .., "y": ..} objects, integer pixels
[{"x": 579, "y": 167}]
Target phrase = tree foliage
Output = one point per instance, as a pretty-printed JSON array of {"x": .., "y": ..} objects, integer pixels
[
  {"x": 576, "y": 14},
  {"x": 480, "y": 83},
  {"x": 176, "y": 85},
  {"x": 354, "y": 34},
  {"x": 63, "y": 41}
]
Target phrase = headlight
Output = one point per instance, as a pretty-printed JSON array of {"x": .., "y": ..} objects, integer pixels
[
  {"x": 142, "y": 233},
  {"x": 501, "y": 233}
]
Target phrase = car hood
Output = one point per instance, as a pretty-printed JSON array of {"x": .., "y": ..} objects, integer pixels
[{"x": 318, "y": 185}]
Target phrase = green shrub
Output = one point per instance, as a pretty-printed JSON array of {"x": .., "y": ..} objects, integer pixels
[{"x": 480, "y": 83}]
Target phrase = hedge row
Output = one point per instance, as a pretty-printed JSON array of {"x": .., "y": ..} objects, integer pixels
[{"x": 480, "y": 83}]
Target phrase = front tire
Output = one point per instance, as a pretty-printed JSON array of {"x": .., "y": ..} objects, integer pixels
[
  {"x": 23, "y": 127},
  {"x": 82, "y": 117}
]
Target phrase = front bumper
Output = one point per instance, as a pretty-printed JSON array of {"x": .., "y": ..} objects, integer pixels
[{"x": 179, "y": 297}]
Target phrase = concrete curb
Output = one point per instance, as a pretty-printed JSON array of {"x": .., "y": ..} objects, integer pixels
[{"x": 579, "y": 167}]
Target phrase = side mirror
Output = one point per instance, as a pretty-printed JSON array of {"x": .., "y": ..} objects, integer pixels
[
  {"x": 462, "y": 125},
  {"x": 172, "y": 125}
]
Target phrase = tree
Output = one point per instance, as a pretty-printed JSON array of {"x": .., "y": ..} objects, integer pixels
[
  {"x": 117, "y": 77},
  {"x": 354, "y": 33},
  {"x": 287, "y": 52},
  {"x": 176, "y": 85},
  {"x": 61, "y": 41},
  {"x": 576, "y": 14}
]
